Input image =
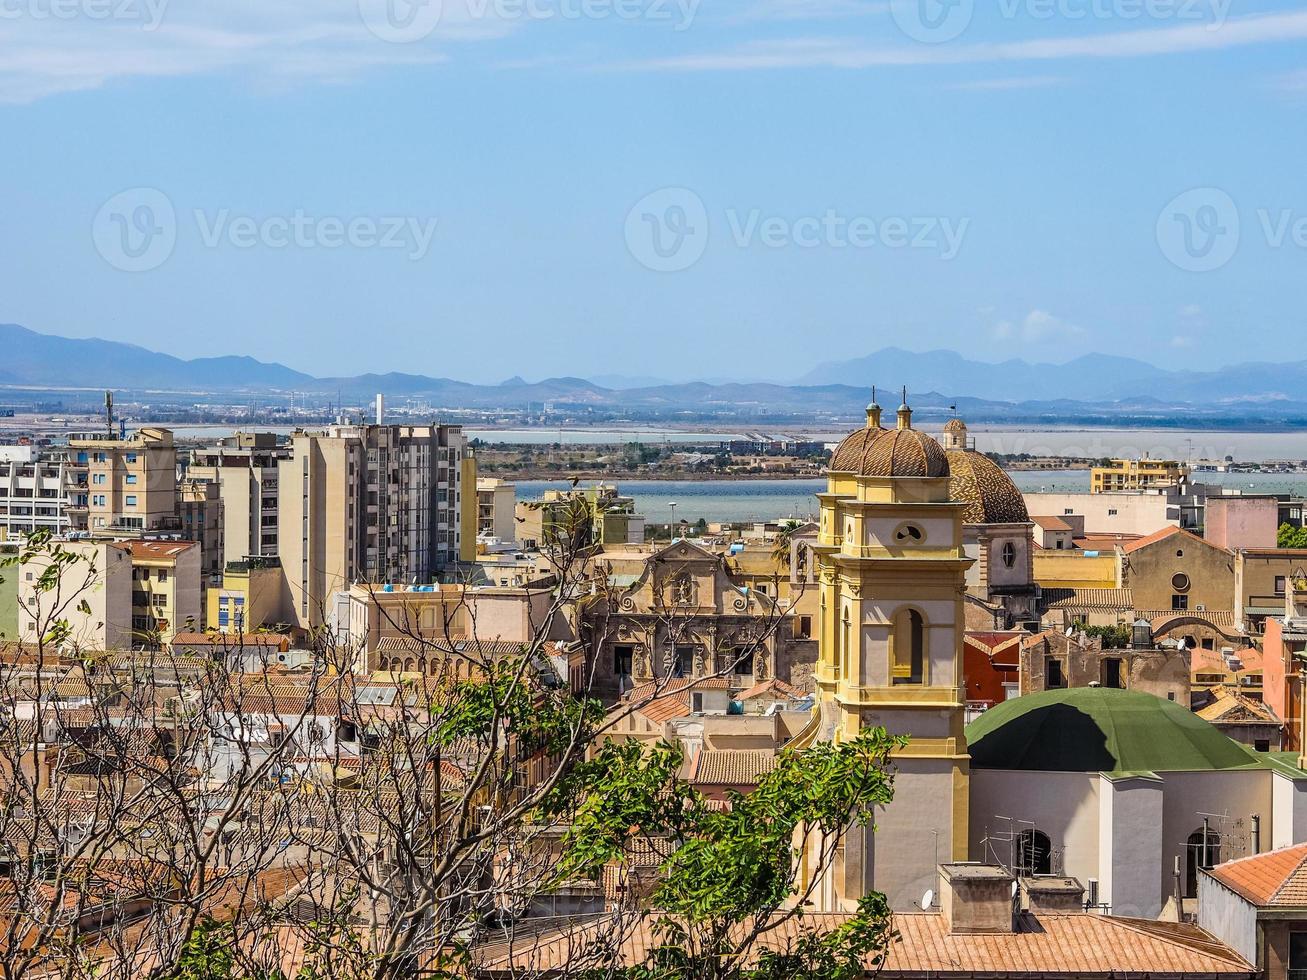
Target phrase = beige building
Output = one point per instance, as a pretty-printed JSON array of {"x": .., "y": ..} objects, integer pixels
[
  {"x": 379, "y": 503},
  {"x": 101, "y": 576},
  {"x": 1136, "y": 474},
  {"x": 166, "y": 593},
  {"x": 496, "y": 500},
  {"x": 1261, "y": 577},
  {"x": 249, "y": 597},
  {"x": 1176, "y": 571},
  {"x": 244, "y": 467},
  {"x": 131, "y": 482}
]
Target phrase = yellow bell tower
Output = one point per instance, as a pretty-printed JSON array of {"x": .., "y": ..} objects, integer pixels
[{"x": 892, "y": 576}]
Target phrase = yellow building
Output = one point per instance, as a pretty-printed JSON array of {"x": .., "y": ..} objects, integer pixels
[
  {"x": 165, "y": 590},
  {"x": 1136, "y": 474},
  {"x": 131, "y": 482},
  {"x": 249, "y": 598},
  {"x": 1076, "y": 569},
  {"x": 892, "y": 572}
]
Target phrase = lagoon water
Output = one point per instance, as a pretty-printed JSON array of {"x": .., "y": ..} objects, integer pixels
[{"x": 762, "y": 500}]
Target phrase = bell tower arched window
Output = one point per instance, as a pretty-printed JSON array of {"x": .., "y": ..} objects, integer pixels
[{"x": 909, "y": 648}]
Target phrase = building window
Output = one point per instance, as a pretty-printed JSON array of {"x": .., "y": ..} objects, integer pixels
[
  {"x": 131, "y": 500},
  {"x": 1179, "y": 603},
  {"x": 1034, "y": 854},
  {"x": 131, "y": 457},
  {"x": 1297, "y": 955},
  {"x": 1053, "y": 674},
  {"x": 1180, "y": 582},
  {"x": 1110, "y": 674},
  {"x": 1280, "y": 584},
  {"x": 741, "y": 662},
  {"x": 910, "y": 534},
  {"x": 623, "y": 658},
  {"x": 131, "y": 479},
  {"x": 909, "y": 648},
  {"x": 163, "y": 575},
  {"x": 1009, "y": 555},
  {"x": 1262, "y": 744},
  {"x": 805, "y": 628},
  {"x": 682, "y": 660}
]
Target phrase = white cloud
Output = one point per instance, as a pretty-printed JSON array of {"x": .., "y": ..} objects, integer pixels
[
  {"x": 1039, "y": 326},
  {"x": 1145, "y": 42}
]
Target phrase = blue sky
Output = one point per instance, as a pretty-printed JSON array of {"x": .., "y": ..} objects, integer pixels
[{"x": 641, "y": 187}]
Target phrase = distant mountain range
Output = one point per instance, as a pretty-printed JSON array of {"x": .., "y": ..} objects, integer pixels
[{"x": 1097, "y": 384}]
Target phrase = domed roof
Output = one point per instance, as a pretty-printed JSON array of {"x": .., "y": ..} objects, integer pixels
[
  {"x": 1098, "y": 729},
  {"x": 955, "y": 426},
  {"x": 890, "y": 452},
  {"x": 989, "y": 493}
]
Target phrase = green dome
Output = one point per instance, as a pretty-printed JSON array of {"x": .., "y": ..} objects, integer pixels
[{"x": 1096, "y": 729}]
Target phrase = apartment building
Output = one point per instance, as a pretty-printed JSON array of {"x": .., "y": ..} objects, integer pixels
[
  {"x": 166, "y": 592},
  {"x": 1137, "y": 474},
  {"x": 131, "y": 481},
  {"x": 40, "y": 490},
  {"x": 379, "y": 503},
  {"x": 245, "y": 469},
  {"x": 496, "y": 500},
  {"x": 249, "y": 597},
  {"x": 94, "y": 597}
]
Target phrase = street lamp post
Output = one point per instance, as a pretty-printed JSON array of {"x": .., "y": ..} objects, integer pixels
[{"x": 671, "y": 528}]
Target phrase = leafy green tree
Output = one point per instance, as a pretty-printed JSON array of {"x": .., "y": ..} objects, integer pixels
[{"x": 1292, "y": 537}]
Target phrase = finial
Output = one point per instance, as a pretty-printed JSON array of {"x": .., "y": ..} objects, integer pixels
[
  {"x": 905, "y": 413},
  {"x": 873, "y": 411}
]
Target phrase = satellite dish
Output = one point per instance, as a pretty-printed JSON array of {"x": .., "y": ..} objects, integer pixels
[
  {"x": 1070, "y": 631},
  {"x": 928, "y": 900},
  {"x": 1015, "y": 889}
]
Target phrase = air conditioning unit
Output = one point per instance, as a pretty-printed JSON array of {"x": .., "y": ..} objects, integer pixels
[{"x": 1200, "y": 608}]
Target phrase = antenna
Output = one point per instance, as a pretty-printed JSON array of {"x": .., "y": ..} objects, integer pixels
[{"x": 108, "y": 412}]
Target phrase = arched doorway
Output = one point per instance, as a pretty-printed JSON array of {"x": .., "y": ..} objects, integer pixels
[
  {"x": 1034, "y": 854},
  {"x": 1202, "y": 851}
]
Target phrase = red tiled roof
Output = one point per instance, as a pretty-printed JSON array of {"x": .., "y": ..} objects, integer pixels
[
  {"x": 1050, "y": 945},
  {"x": 1167, "y": 532},
  {"x": 1051, "y": 523},
  {"x": 732, "y": 767},
  {"x": 1276, "y": 878},
  {"x": 774, "y": 687}
]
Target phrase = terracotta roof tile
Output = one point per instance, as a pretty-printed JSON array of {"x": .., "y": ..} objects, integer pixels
[
  {"x": 732, "y": 767},
  {"x": 1276, "y": 878}
]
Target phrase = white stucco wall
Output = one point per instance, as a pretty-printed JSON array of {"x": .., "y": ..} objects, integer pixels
[
  {"x": 1288, "y": 824},
  {"x": 1227, "y": 917},
  {"x": 1130, "y": 832},
  {"x": 1063, "y": 805}
]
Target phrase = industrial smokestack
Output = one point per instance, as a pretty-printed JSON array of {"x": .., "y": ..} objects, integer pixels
[{"x": 381, "y": 409}]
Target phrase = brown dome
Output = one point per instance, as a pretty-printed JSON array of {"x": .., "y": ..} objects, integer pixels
[
  {"x": 989, "y": 493},
  {"x": 890, "y": 452},
  {"x": 955, "y": 426}
]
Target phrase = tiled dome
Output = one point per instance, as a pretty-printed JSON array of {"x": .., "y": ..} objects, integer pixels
[
  {"x": 890, "y": 452},
  {"x": 989, "y": 493}
]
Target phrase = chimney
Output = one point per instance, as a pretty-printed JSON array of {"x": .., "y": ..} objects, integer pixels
[
  {"x": 381, "y": 409},
  {"x": 1053, "y": 894},
  {"x": 976, "y": 899}
]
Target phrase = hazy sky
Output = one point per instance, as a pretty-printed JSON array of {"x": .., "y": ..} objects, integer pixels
[{"x": 739, "y": 188}]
